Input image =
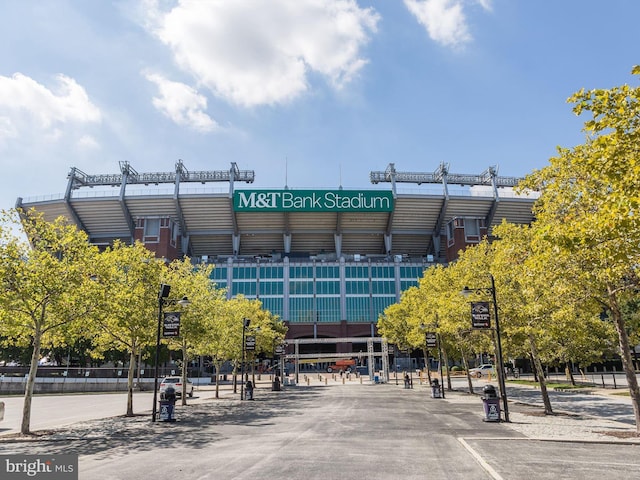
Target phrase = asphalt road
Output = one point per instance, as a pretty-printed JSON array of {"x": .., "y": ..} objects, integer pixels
[
  {"x": 337, "y": 432},
  {"x": 50, "y": 411}
]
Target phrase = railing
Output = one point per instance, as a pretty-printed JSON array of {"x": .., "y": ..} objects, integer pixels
[{"x": 75, "y": 374}]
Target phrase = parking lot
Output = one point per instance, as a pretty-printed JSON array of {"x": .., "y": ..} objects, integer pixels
[{"x": 351, "y": 431}]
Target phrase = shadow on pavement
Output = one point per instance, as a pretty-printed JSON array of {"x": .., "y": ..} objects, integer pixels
[{"x": 195, "y": 427}]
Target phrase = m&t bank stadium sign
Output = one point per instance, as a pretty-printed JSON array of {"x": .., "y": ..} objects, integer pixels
[{"x": 312, "y": 201}]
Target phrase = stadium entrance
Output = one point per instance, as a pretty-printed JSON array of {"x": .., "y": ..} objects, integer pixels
[{"x": 370, "y": 355}]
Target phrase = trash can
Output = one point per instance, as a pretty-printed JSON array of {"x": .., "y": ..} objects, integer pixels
[
  {"x": 248, "y": 391},
  {"x": 435, "y": 388},
  {"x": 276, "y": 384},
  {"x": 491, "y": 404},
  {"x": 168, "y": 405}
]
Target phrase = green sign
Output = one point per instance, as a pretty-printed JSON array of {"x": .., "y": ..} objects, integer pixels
[{"x": 312, "y": 201}]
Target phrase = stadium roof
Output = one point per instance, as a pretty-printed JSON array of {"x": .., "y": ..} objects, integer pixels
[{"x": 107, "y": 206}]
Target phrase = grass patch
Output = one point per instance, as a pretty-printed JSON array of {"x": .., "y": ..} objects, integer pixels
[
  {"x": 562, "y": 385},
  {"x": 622, "y": 393}
]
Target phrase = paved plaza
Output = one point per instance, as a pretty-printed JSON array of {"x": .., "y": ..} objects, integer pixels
[{"x": 349, "y": 431}]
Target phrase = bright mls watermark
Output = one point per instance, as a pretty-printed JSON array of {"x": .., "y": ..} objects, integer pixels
[{"x": 52, "y": 467}]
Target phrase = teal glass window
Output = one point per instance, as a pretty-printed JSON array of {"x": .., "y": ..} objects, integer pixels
[
  {"x": 300, "y": 272},
  {"x": 274, "y": 305},
  {"x": 244, "y": 273},
  {"x": 411, "y": 272},
  {"x": 300, "y": 287},
  {"x": 405, "y": 284},
  {"x": 358, "y": 309},
  {"x": 271, "y": 272},
  {"x": 271, "y": 288},
  {"x": 327, "y": 287},
  {"x": 361, "y": 271},
  {"x": 328, "y": 309},
  {"x": 219, "y": 273},
  {"x": 357, "y": 288},
  {"x": 248, "y": 289},
  {"x": 323, "y": 271},
  {"x": 388, "y": 287},
  {"x": 301, "y": 310},
  {"x": 382, "y": 272},
  {"x": 380, "y": 303}
]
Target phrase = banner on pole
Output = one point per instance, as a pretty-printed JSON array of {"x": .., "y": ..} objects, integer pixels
[
  {"x": 171, "y": 324},
  {"x": 480, "y": 316}
]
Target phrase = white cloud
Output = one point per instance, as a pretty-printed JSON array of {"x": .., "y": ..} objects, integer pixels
[
  {"x": 444, "y": 20},
  {"x": 68, "y": 103},
  {"x": 182, "y": 104},
  {"x": 28, "y": 108},
  {"x": 87, "y": 142},
  {"x": 486, "y": 4},
  {"x": 252, "y": 52}
]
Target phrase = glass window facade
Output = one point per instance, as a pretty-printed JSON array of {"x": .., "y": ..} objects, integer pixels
[
  {"x": 358, "y": 309},
  {"x": 321, "y": 292},
  {"x": 301, "y": 309},
  {"x": 219, "y": 276}
]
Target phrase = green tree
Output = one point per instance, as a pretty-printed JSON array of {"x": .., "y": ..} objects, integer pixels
[
  {"x": 589, "y": 205},
  {"x": 44, "y": 286},
  {"x": 126, "y": 280},
  {"x": 194, "y": 283}
]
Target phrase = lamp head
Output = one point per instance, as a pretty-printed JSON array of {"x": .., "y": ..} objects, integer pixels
[
  {"x": 184, "y": 301},
  {"x": 466, "y": 291},
  {"x": 164, "y": 290}
]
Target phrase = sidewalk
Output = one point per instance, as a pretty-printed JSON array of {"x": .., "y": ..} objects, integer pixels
[{"x": 598, "y": 416}]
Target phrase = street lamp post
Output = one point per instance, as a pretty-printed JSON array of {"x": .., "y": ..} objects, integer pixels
[
  {"x": 431, "y": 340},
  {"x": 245, "y": 325},
  {"x": 162, "y": 302},
  {"x": 501, "y": 382}
]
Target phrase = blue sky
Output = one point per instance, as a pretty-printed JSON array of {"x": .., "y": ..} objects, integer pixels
[{"x": 308, "y": 93}]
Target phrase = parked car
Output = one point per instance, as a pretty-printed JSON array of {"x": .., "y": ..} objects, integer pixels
[
  {"x": 176, "y": 383},
  {"x": 482, "y": 370}
]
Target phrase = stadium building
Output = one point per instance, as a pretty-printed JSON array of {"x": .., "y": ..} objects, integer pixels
[{"x": 326, "y": 261}]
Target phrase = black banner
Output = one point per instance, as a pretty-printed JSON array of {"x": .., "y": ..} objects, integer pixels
[
  {"x": 171, "y": 325},
  {"x": 431, "y": 339},
  {"x": 480, "y": 316}
]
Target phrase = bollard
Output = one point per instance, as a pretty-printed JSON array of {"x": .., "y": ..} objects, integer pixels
[
  {"x": 326, "y": 380},
  {"x": 343, "y": 381},
  {"x": 308, "y": 381}
]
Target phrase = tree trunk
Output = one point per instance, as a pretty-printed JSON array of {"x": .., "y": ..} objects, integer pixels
[
  {"x": 446, "y": 368},
  {"x": 570, "y": 376},
  {"x": 625, "y": 353},
  {"x": 217, "y": 366},
  {"x": 138, "y": 363},
  {"x": 533, "y": 368},
  {"x": 540, "y": 374},
  {"x": 185, "y": 364},
  {"x": 235, "y": 379},
  {"x": 425, "y": 351},
  {"x": 465, "y": 363},
  {"x": 130, "y": 377},
  {"x": 31, "y": 380}
]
